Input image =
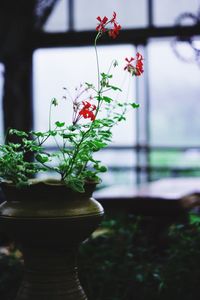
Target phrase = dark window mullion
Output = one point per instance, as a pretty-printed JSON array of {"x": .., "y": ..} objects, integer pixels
[
  {"x": 150, "y": 13},
  {"x": 71, "y": 14}
]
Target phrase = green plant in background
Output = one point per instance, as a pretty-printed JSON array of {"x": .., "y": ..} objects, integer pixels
[
  {"x": 94, "y": 113},
  {"x": 127, "y": 261}
]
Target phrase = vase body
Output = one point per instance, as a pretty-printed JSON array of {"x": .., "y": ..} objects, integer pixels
[{"x": 49, "y": 221}]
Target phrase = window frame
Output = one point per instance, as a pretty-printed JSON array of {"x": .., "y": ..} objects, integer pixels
[{"x": 139, "y": 38}]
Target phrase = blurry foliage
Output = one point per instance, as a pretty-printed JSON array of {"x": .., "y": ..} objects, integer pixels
[{"x": 130, "y": 258}]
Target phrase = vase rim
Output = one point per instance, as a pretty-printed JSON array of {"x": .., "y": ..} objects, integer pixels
[{"x": 46, "y": 181}]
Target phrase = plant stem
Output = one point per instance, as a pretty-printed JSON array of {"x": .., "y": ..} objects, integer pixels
[
  {"x": 75, "y": 155},
  {"x": 97, "y": 58},
  {"x": 99, "y": 93},
  {"x": 50, "y": 109}
]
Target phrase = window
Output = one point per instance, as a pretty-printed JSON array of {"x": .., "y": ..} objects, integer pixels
[{"x": 161, "y": 140}]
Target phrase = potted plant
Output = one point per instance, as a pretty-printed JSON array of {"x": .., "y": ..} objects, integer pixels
[{"x": 50, "y": 217}]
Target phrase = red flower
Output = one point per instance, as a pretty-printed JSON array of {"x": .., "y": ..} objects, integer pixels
[
  {"x": 102, "y": 24},
  {"x": 114, "y": 17},
  {"x": 86, "y": 104},
  {"x": 139, "y": 64},
  {"x": 114, "y": 31},
  {"x": 87, "y": 111},
  {"x": 129, "y": 66},
  {"x": 136, "y": 70}
]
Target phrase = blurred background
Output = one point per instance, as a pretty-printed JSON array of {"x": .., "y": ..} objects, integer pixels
[{"x": 47, "y": 44}]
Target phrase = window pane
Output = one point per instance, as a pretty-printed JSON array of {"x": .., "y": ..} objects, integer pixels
[
  {"x": 120, "y": 165},
  {"x": 174, "y": 158},
  {"x": 130, "y": 14},
  {"x": 1, "y": 95},
  {"x": 119, "y": 158},
  {"x": 164, "y": 173},
  {"x": 167, "y": 11},
  {"x": 58, "y": 19},
  {"x": 69, "y": 67},
  {"x": 174, "y": 163},
  {"x": 174, "y": 88},
  {"x": 118, "y": 177}
]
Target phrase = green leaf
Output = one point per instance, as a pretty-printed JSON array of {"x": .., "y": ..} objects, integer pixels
[
  {"x": 135, "y": 105},
  {"x": 54, "y": 102},
  {"x": 105, "y": 133},
  {"x": 60, "y": 124},
  {"x": 15, "y": 146},
  {"x": 52, "y": 132},
  {"x": 115, "y": 64},
  {"x": 75, "y": 184},
  {"x": 68, "y": 135},
  {"x": 121, "y": 118},
  {"x": 84, "y": 157},
  {"x": 99, "y": 168},
  {"x": 107, "y": 99},
  {"x": 114, "y": 88},
  {"x": 38, "y": 134},
  {"x": 89, "y": 85},
  {"x": 74, "y": 127},
  {"x": 99, "y": 98},
  {"x": 19, "y": 133},
  {"x": 104, "y": 98},
  {"x": 107, "y": 122},
  {"x": 41, "y": 158},
  {"x": 105, "y": 76},
  {"x": 103, "y": 169},
  {"x": 99, "y": 144},
  {"x": 95, "y": 145},
  {"x": 91, "y": 175}
]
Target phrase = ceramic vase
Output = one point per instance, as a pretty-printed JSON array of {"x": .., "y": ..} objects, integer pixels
[{"x": 49, "y": 221}]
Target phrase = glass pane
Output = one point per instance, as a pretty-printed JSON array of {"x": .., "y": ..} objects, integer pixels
[
  {"x": 166, "y": 12},
  {"x": 117, "y": 158},
  {"x": 120, "y": 165},
  {"x": 1, "y": 95},
  {"x": 174, "y": 88},
  {"x": 129, "y": 15},
  {"x": 69, "y": 67},
  {"x": 174, "y": 163},
  {"x": 142, "y": 99},
  {"x": 58, "y": 19},
  {"x": 118, "y": 177},
  {"x": 177, "y": 159},
  {"x": 158, "y": 174}
]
